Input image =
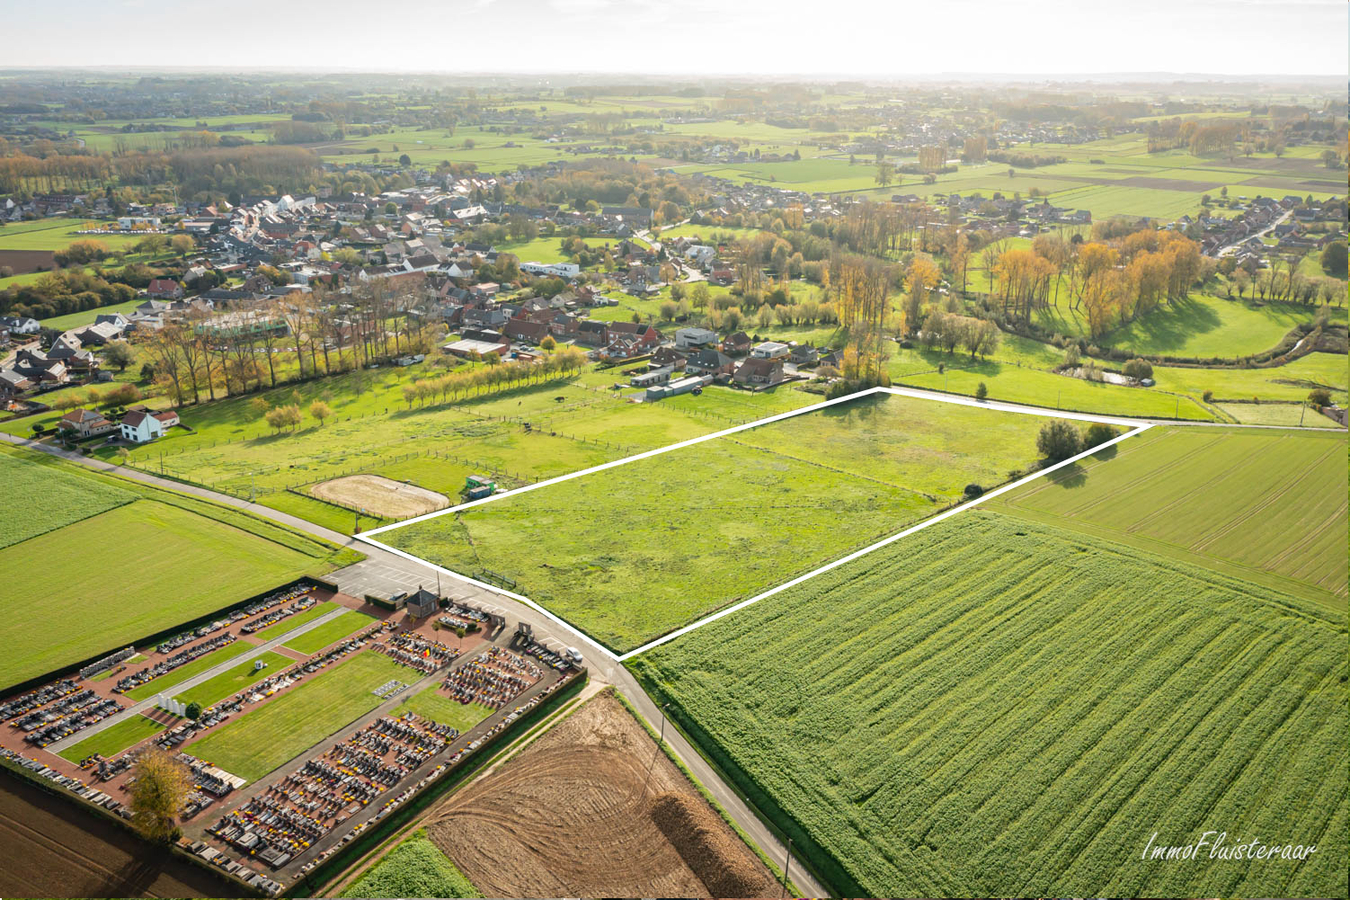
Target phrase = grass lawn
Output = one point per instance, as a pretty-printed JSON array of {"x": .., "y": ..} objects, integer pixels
[
  {"x": 57, "y": 234},
  {"x": 1291, "y": 381},
  {"x": 232, "y": 681},
  {"x": 290, "y": 623},
  {"x": 86, "y": 317},
  {"x": 114, "y": 739},
  {"x": 135, "y": 569},
  {"x": 445, "y": 710},
  {"x": 414, "y": 868},
  {"x": 1276, "y": 414},
  {"x": 316, "y": 639},
  {"x": 1269, "y": 506},
  {"x": 183, "y": 673},
  {"x": 633, "y": 552},
  {"x": 1000, "y": 707},
  {"x": 265, "y": 738},
  {"x": 1037, "y": 387}
]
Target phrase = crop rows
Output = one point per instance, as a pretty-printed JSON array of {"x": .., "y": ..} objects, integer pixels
[{"x": 999, "y": 708}]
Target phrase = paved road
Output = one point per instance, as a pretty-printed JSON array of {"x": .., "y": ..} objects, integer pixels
[
  {"x": 384, "y": 572},
  {"x": 143, "y": 705}
]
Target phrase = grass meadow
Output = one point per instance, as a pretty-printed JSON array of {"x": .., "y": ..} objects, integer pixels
[
  {"x": 1002, "y": 707},
  {"x": 321, "y": 636},
  {"x": 633, "y": 552},
  {"x": 264, "y": 738}
]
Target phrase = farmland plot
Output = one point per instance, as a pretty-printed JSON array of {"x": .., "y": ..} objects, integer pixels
[
  {"x": 1269, "y": 501},
  {"x": 66, "y": 498},
  {"x": 635, "y": 551},
  {"x": 997, "y": 707}
]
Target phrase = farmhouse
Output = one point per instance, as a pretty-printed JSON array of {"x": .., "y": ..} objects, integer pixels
[
  {"x": 85, "y": 423},
  {"x": 140, "y": 426},
  {"x": 758, "y": 372}
]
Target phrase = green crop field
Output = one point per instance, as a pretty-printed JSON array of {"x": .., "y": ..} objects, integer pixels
[
  {"x": 1269, "y": 501},
  {"x": 321, "y": 636},
  {"x": 114, "y": 739},
  {"x": 56, "y": 234},
  {"x": 266, "y": 737},
  {"x": 445, "y": 710},
  {"x": 199, "y": 665},
  {"x": 999, "y": 707},
  {"x": 232, "y": 681},
  {"x": 135, "y": 569},
  {"x": 635, "y": 551},
  {"x": 414, "y": 868},
  {"x": 66, "y": 497}
]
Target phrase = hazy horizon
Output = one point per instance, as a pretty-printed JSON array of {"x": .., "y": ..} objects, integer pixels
[{"x": 959, "y": 39}]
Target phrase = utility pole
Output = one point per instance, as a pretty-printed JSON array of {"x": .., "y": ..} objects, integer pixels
[
  {"x": 663, "y": 722},
  {"x": 787, "y": 865}
]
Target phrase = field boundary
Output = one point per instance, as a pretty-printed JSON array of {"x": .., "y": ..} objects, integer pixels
[{"x": 1136, "y": 427}]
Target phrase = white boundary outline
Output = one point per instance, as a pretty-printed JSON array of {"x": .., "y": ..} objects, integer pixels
[{"x": 1136, "y": 427}]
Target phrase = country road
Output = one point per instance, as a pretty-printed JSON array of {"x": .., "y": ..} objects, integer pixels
[{"x": 388, "y": 571}]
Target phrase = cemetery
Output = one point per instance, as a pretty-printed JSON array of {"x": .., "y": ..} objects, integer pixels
[{"x": 312, "y": 748}]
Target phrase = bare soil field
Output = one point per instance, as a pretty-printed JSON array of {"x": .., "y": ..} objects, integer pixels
[
  {"x": 380, "y": 496},
  {"x": 594, "y": 808},
  {"x": 54, "y": 849},
  {"x": 26, "y": 261}
]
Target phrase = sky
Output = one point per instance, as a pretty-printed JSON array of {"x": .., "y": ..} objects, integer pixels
[{"x": 865, "y": 38}]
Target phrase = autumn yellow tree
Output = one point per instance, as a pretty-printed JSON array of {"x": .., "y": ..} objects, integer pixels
[{"x": 158, "y": 792}]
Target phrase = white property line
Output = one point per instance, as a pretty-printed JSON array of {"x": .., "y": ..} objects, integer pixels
[
  {"x": 1136, "y": 426},
  {"x": 879, "y": 544},
  {"x": 647, "y": 454}
]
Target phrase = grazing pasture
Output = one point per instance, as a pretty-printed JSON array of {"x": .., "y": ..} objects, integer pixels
[
  {"x": 265, "y": 738},
  {"x": 635, "y": 551},
  {"x": 1001, "y": 707},
  {"x": 1269, "y": 501}
]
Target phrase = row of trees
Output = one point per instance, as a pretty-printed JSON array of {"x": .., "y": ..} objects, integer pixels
[{"x": 496, "y": 375}]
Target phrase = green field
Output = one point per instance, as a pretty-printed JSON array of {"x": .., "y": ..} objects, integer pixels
[
  {"x": 292, "y": 622},
  {"x": 1200, "y": 326},
  {"x": 57, "y": 233},
  {"x": 266, "y": 737},
  {"x": 1270, "y": 501},
  {"x": 136, "y": 569},
  {"x": 445, "y": 710},
  {"x": 86, "y": 317},
  {"x": 199, "y": 665},
  {"x": 414, "y": 868},
  {"x": 114, "y": 739},
  {"x": 316, "y": 639},
  {"x": 999, "y": 707},
  {"x": 66, "y": 497},
  {"x": 636, "y": 551},
  {"x": 232, "y": 681}
]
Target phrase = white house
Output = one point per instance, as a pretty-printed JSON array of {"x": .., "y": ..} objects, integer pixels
[
  {"x": 140, "y": 427},
  {"x": 559, "y": 270},
  {"x": 689, "y": 338},
  {"x": 20, "y": 324},
  {"x": 770, "y": 350}
]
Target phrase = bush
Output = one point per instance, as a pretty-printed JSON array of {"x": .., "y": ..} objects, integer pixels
[
  {"x": 981, "y": 391},
  {"x": 1058, "y": 440},
  {"x": 1138, "y": 369},
  {"x": 973, "y": 491},
  {"x": 1319, "y": 397},
  {"x": 1096, "y": 434}
]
